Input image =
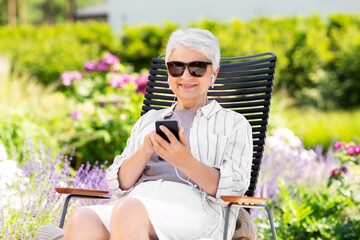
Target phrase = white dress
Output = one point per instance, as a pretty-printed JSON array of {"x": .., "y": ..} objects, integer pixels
[{"x": 177, "y": 211}]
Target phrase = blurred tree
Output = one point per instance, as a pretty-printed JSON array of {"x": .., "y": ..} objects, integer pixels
[
  {"x": 22, "y": 11},
  {"x": 47, "y": 12},
  {"x": 11, "y": 12},
  {"x": 42, "y": 11}
]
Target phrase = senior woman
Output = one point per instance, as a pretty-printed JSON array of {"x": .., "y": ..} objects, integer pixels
[{"x": 171, "y": 190}]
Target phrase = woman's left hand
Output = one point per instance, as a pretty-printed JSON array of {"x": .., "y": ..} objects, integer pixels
[{"x": 176, "y": 152}]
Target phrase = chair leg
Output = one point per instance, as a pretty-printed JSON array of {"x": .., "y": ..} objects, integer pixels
[
  {"x": 63, "y": 214},
  {"x": 227, "y": 215},
  {"x": 226, "y": 225},
  {"x": 271, "y": 222}
]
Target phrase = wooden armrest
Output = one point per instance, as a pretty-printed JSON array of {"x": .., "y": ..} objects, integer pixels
[
  {"x": 243, "y": 199},
  {"x": 83, "y": 192}
]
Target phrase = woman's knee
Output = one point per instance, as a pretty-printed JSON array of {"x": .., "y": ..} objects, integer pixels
[
  {"x": 130, "y": 217},
  {"x": 79, "y": 223}
]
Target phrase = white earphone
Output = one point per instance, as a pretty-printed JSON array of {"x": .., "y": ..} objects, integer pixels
[{"x": 212, "y": 81}]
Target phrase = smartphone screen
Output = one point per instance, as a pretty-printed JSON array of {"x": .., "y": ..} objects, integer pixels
[{"x": 171, "y": 124}]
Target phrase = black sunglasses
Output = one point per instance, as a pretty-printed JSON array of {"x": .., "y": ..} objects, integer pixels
[{"x": 196, "y": 69}]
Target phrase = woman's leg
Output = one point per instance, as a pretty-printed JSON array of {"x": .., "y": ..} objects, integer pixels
[
  {"x": 130, "y": 220},
  {"x": 85, "y": 224}
]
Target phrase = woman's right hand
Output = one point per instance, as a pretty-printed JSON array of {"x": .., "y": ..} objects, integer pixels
[
  {"x": 133, "y": 167},
  {"x": 147, "y": 144}
]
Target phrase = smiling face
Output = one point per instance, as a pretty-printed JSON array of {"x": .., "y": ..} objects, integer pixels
[{"x": 191, "y": 91}]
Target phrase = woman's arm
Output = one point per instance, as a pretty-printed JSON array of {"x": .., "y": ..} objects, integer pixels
[{"x": 133, "y": 167}]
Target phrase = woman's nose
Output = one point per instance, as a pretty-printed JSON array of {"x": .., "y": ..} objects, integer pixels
[{"x": 187, "y": 73}]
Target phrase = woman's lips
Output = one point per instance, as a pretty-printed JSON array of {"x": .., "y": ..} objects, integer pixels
[{"x": 187, "y": 86}]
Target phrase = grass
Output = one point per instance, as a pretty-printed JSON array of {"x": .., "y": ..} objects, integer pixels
[{"x": 314, "y": 126}]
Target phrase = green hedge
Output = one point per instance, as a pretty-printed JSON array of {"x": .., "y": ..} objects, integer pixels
[
  {"x": 318, "y": 58},
  {"x": 47, "y": 51}
]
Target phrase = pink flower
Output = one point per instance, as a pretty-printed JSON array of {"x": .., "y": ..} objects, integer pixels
[
  {"x": 120, "y": 80},
  {"x": 68, "y": 77},
  {"x": 77, "y": 75},
  {"x": 141, "y": 81},
  {"x": 356, "y": 149},
  {"x": 338, "y": 145},
  {"x": 101, "y": 66},
  {"x": 334, "y": 173},
  {"x": 90, "y": 66},
  {"x": 110, "y": 59},
  {"x": 75, "y": 115},
  {"x": 350, "y": 151}
]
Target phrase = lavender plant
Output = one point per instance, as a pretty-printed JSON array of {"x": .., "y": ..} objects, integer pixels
[
  {"x": 286, "y": 160},
  {"x": 28, "y": 199}
]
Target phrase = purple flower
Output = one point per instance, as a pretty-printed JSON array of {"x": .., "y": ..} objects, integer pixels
[
  {"x": 141, "y": 82},
  {"x": 343, "y": 169},
  {"x": 75, "y": 115},
  {"x": 101, "y": 66},
  {"x": 68, "y": 77},
  {"x": 338, "y": 145},
  {"x": 90, "y": 66}
]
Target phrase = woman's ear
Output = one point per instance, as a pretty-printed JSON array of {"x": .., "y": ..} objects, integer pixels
[{"x": 214, "y": 76}]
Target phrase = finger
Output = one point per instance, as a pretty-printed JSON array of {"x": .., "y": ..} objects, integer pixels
[
  {"x": 182, "y": 137},
  {"x": 159, "y": 141},
  {"x": 168, "y": 133}
]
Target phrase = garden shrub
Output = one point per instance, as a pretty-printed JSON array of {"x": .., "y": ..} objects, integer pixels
[{"x": 106, "y": 102}]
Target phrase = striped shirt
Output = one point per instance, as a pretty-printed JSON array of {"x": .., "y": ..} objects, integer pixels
[{"x": 218, "y": 137}]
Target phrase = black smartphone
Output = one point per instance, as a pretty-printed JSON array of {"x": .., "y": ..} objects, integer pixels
[{"x": 171, "y": 124}]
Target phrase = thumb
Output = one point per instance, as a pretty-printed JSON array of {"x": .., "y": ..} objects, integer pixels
[{"x": 182, "y": 137}]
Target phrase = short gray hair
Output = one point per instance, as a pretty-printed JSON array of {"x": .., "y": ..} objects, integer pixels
[{"x": 196, "y": 39}]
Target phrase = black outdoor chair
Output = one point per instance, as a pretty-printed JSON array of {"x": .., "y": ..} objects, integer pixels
[{"x": 244, "y": 84}]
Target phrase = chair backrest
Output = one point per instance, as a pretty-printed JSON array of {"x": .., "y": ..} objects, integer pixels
[{"x": 244, "y": 84}]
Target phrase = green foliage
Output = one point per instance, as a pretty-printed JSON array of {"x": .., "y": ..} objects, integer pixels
[
  {"x": 28, "y": 109},
  {"x": 142, "y": 43},
  {"x": 45, "y": 52},
  {"x": 317, "y": 59},
  {"x": 326, "y": 214}
]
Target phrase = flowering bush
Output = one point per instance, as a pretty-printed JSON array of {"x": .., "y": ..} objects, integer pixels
[
  {"x": 106, "y": 99},
  {"x": 28, "y": 199}
]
